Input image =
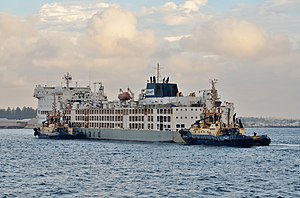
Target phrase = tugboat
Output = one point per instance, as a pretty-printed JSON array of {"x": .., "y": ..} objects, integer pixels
[
  {"x": 219, "y": 126},
  {"x": 56, "y": 127},
  {"x": 261, "y": 140}
]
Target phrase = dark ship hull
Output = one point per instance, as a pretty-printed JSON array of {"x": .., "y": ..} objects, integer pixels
[
  {"x": 60, "y": 134},
  {"x": 224, "y": 140},
  {"x": 262, "y": 140}
]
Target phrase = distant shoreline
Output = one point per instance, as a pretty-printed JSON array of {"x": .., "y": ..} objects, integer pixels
[{"x": 272, "y": 126}]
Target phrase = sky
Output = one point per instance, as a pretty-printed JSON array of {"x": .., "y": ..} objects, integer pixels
[{"x": 251, "y": 46}]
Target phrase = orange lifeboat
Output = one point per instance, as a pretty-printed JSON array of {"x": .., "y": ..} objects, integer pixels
[{"x": 124, "y": 96}]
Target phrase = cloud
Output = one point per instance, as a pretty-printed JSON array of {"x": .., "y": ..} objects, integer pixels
[
  {"x": 109, "y": 42},
  {"x": 227, "y": 37},
  {"x": 114, "y": 32},
  {"x": 193, "y": 5},
  {"x": 104, "y": 42},
  {"x": 173, "y": 14},
  {"x": 54, "y": 50},
  {"x": 274, "y": 15},
  {"x": 12, "y": 26},
  {"x": 69, "y": 16},
  {"x": 235, "y": 38},
  {"x": 179, "y": 14},
  {"x": 17, "y": 38}
]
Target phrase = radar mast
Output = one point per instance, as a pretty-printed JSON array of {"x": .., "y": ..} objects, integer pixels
[
  {"x": 67, "y": 79},
  {"x": 214, "y": 93}
]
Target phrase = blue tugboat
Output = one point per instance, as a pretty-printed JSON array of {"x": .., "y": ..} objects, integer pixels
[{"x": 218, "y": 125}]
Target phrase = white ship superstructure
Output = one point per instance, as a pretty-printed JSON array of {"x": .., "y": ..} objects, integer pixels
[
  {"x": 64, "y": 96},
  {"x": 159, "y": 113}
]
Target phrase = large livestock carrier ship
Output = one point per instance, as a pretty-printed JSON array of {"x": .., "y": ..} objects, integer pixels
[{"x": 158, "y": 114}]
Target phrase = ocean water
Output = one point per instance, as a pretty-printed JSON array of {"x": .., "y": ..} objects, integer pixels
[{"x": 31, "y": 167}]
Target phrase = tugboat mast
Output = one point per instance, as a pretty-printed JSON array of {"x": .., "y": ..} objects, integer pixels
[
  {"x": 54, "y": 104},
  {"x": 214, "y": 94}
]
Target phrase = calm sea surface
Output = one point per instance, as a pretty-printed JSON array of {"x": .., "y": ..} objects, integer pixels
[{"x": 31, "y": 167}]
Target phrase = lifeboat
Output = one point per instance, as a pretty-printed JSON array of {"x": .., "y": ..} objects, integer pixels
[{"x": 124, "y": 96}]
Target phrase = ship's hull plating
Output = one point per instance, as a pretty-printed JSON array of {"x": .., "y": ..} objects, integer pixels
[
  {"x": 262, "y": 140},
  {"x": 130, "y": 135},
  {"x": 226, "y": 140}
]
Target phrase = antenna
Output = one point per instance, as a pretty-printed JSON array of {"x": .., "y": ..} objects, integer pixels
[{"x": 68, "y": 79}]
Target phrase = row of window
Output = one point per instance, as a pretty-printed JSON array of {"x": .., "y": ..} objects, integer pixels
[
  {"x": 140, "y": 111},
  {"x": 67, "y": 112},
  {"x": 126, "y": 111},
  {"x": 186, "y": 117},
  {"x": 165, "y": 126},
  {"x": 185, "y": 109},
  {"x": 120, "y": 111},
  {"x": 137, "y": 126},
  {"x": 112, "y": 111},
  {"x": 80, "y": 111},
  {"x": 150, "y": 118},
  {"x": 44, "y": 112},
  {"x": 180, "y": 126},
  {"x": 163, "y": 118},
  {"x": 68, "y": 118},
  {"x": 164, "y": 111},
  {"x": 79, "y": 118},
  {"x": 118, "y": 125},
  {"x": 99, "y": 118},
  {"x": 105, "y": 125},
  {"x": 136, "y": 118},
  {"x": 120, "y": 118},
  {"x": 106, "y": 111}
]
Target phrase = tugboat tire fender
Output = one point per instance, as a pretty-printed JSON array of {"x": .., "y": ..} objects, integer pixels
[{"x": 36, "y": 131}]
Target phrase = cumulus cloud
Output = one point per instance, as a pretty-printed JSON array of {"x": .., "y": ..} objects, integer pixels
[
  {"x": 235, "y": 38},
  {"x": 113, "y": 32},
  {"x": 173, "y": 14},
  {"x": 12, "y": 26},
  {"x": 106, "y": 43},
  {"x": 274, "y": 16},
  {"x": 17, "y": 38},
  {"x": 109, "y": 42},
  {"x": 229, "y": 37},
  {"x": 193, "y": 5},
  {"x": 54, "y": 50},
  {"x": 179, "y": 14},
  {"x": 69, "y": 16}
]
